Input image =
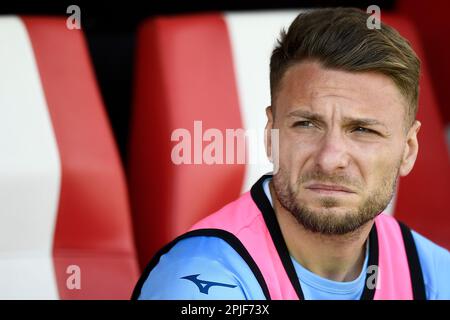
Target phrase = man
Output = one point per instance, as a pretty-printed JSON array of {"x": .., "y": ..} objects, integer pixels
[{"x": 344, "y": 102}]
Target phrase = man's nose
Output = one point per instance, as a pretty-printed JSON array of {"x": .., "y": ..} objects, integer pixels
[{"x": 332, "y": 153}]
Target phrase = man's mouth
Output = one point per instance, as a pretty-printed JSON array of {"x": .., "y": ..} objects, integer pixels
[{"x": 330, "y": 189}]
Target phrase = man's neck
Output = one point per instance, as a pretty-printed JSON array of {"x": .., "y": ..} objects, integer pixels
[{"x": 336, "y": 257}]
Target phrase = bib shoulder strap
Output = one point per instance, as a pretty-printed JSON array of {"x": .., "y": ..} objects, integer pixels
[{"x": 415, "y": 269}]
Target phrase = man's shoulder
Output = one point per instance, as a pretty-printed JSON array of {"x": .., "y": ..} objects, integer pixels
[
  {"x": 201, "y": 246},
  {"x": 200, "y": 267},
  {"x": 435, "y": 263},
  {"x": 233, "y": 216},
  {"x": 431, "y": 251},
  {"x": 426, "y": 243}
]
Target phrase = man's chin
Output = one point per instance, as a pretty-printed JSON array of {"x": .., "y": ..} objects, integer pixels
[
  {"x": 330, "y": 221},
  {"x": 329, "y": 204},
  {"x": 331, "y": 211}
]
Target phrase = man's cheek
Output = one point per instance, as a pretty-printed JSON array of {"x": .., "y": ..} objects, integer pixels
[{"x": 383, "y": 171}]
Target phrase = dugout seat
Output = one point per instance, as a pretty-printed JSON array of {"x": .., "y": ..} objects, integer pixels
[
  {"x": 430, "y": 19},
  {"x": 65, "y": 226},
  {"x": 214, "y": 68}
]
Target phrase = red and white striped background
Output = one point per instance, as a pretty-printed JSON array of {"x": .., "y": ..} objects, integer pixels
[{"x": 63, "y": 198}]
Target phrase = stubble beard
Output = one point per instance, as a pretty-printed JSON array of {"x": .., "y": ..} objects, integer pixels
[{"x": 326, "y": 220}]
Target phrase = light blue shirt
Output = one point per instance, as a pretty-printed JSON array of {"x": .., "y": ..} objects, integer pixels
[{"x": 214, "y": 260}]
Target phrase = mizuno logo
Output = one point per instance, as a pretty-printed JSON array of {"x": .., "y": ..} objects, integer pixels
[{"x": 204, "y": 285}]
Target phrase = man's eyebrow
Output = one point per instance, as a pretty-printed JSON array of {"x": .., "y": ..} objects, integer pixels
[
  {"x": 362, "y": 122},
  {"x": 348, "y": 121},
  {"x": 306, "y": 114}
]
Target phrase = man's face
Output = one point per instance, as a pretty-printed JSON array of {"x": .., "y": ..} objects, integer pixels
[{"x": 342, "y": 145}]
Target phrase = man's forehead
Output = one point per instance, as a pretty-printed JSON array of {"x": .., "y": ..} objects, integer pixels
[
  {"x": 309, "y": 83},
  {"x": 313, "y": 78}
]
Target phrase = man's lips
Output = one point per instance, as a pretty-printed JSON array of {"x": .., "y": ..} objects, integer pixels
[{"x": 328, "y": 188}]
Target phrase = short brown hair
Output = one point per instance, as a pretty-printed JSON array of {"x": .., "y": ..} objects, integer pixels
[{"x": 339, "y": 39}]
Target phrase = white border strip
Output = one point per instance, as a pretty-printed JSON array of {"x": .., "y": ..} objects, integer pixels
[{"x": 30, "y": 172}]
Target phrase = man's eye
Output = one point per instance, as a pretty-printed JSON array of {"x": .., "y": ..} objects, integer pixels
[
  {"x": 364, "y": 130},
  {"x": 303, "y": 124}
]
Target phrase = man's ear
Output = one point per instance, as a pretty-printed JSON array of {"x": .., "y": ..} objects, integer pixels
[
  {"x": 411, "y": 149},
  {"x": 267, "y": 133}
]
